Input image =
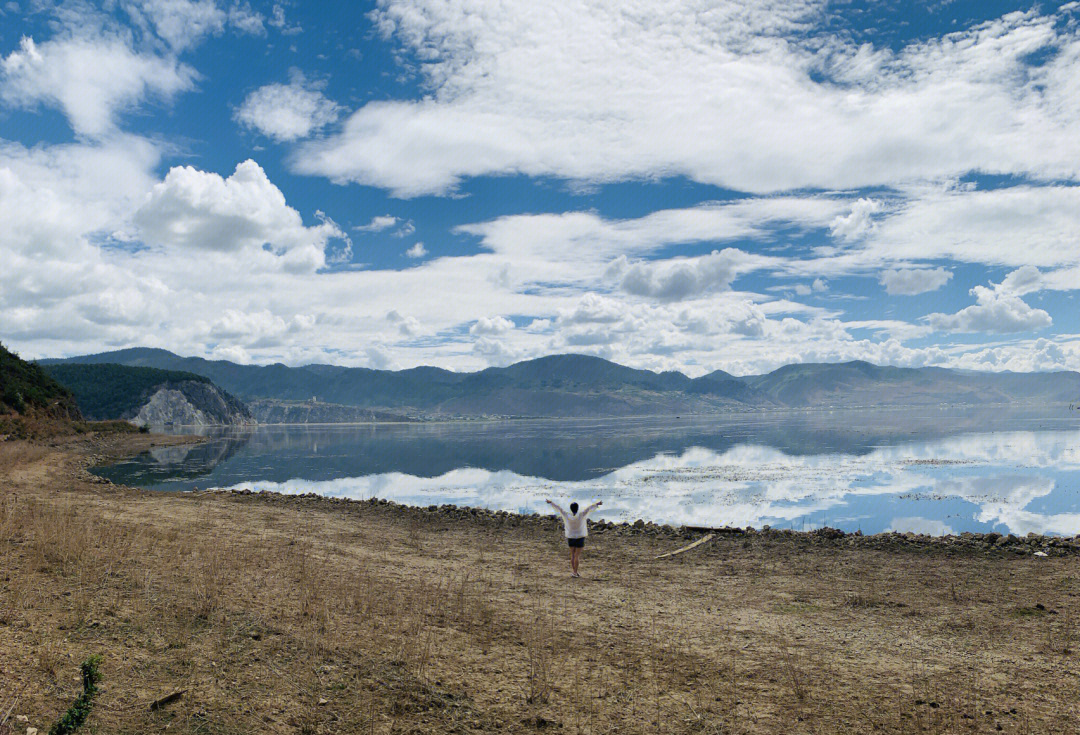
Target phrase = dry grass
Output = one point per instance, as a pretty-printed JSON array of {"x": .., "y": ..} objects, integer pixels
[{"x": 291, "y": 615}]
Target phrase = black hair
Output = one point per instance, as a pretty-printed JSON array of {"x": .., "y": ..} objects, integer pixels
[{"x": 573, "y": 509}]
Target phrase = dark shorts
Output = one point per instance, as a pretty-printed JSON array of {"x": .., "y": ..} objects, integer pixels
[{"x": 576, "y": 543}]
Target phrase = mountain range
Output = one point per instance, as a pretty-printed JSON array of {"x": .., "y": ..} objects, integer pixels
[{"x": 581, "y": 385}]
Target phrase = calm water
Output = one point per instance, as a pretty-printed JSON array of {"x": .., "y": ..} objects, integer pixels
[{"x": 929, "y": 471}]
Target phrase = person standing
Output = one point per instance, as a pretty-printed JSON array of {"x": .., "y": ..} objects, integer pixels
[{"x": 575, "y": 529}]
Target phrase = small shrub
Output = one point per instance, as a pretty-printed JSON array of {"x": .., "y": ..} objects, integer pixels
[{"x": 79, "y": 710}]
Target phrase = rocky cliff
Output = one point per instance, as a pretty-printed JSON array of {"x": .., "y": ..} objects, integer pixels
[{"x": 191, "y": 403}]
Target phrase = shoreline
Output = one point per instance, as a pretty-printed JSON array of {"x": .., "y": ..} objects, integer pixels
[
  {"x": 286, "y": 613},
  {"x": 825, "y": 536}
]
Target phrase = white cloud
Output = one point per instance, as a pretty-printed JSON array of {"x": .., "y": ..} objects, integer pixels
[
  {"x": 287, "y": 112},
  {"x": 408, "y": 326},
  {"x": 197, "y": 210},
  {"x": 491, "y": 325},
  {"x": 277, "y": 20},
  {"x": 912, "y": 281},
  {"x": 378, "y": 224},
  {"x": 579, "y": 248},
  {"x": 1015, "y": 226},
  {"x": 90, "y": 80},
  {"x": 417, "y": 251},
  {"x": 51, "y": 197},
  {"x": 680, "y": 278},
  {"x": 380, "y": 358},
  {"x": 593, "y": 309},
  {"x": 1026, "y": 279},
  {"x": 727, "y": 95},
  {"x": 246, "y": 20},
  {"x": 858, "y": 223},
  {"x": 995, "y": 311},
  {"x": 180, "y": 23}
]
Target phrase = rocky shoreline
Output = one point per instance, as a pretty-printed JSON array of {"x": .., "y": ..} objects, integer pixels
[{"x": 967, "y": 542}]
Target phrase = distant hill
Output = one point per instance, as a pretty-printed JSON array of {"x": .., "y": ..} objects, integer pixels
[
  {"x": 582, "y": 386},
  {"x": 860, "y": 383},
  {"x": 144, "y": 395},
  {"x": 560, "y": 385},
  {"x": 273, "y": 411},
  {"x": 27, "y": 389}
]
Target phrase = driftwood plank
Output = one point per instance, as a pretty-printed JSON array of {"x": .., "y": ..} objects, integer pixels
[
  {"x": 699, "y": 542},
  {"x": 167, "y": 699}
]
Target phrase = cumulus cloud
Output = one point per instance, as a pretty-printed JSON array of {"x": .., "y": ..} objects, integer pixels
[
  {"x": 90, "y": 80},
  {"x": 680, "y": 278},
  {"x": 995, "y": 311},
  {"x": 258, "y": 328},
  {"x": 198, "y": 210},
  {"x": 416, "y": 251},
  {"x": 491, "y": 325},
  {"x": 593, "y": 309},
  {"x": 287, "y": 112},
  {"x": 726, "y": 95},
  {"x": 408, "y": 326},
  {"x": 912, "y": 281},
  {"x": 378, "y": 224},
  {"x": 859, "y": 222},
  {"x": 1025, "y": 280}
]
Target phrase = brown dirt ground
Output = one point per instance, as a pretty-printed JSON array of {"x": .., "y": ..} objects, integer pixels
[{"x": 282, "y": 615}]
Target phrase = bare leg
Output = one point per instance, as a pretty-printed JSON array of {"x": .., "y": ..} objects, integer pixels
[
  {"x": 575, "y": 559},
  {"x": 573, "y": 551}
]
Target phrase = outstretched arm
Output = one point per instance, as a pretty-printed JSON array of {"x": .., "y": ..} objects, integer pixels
[
  {"x": 592, "y": 507},
  {"x": 556, "y": 507}
]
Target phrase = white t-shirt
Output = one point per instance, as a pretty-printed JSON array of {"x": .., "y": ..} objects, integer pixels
[{"x": 574, "y": 525}]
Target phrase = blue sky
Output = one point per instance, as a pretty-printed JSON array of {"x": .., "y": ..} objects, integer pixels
[{"x": 690, "y": 186}]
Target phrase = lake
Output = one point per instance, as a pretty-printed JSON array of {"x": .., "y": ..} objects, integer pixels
[{"x": 928, "y": 470}]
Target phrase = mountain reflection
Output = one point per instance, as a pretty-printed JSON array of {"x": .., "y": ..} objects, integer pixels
[{"x": 930, "y": 472}]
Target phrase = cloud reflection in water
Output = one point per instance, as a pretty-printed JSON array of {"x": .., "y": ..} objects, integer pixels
[{"x": 1013, "y": 481}]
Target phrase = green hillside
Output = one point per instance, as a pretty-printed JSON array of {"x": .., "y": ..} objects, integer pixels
[
  {"x": 110, "y": 391},
  {"x": 27, "y": 388}
]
